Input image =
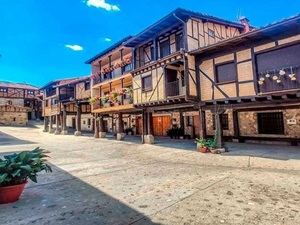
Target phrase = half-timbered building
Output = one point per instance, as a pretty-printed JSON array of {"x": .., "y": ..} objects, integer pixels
[
  {"x": 165, "y": 85},
  {"x": 19, "y": 103},
  {"x": 251, "y": 83},
  {"x": 66, "y": 104},
  {"x": 112, "y": 94}
]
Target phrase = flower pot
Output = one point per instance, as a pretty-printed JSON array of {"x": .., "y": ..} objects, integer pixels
[
  {"x": 12, "y": 193},
  {"x": 202, "y": 149}
]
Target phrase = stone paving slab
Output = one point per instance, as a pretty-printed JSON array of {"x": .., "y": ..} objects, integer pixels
[{"x": 101, "y": 181}]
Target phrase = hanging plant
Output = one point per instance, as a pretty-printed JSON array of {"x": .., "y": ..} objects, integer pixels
[
  {"x": 260, "y": 82},
  {"x": 292, "y": 75},
  {"x": 293, "y": 78},
  {"x": 281, "y": 72},
  {"x": 275, "y": 77},
  {"x": 278, "y": 81},
  {"x": 262, "y": 79},
  {"x": 267, "y": 75}
]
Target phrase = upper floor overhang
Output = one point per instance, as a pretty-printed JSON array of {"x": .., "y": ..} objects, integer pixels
[{"x": 174, "y": 19}]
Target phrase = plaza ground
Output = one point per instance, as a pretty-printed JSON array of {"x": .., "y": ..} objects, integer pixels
[{"x": 103, "y": 181}]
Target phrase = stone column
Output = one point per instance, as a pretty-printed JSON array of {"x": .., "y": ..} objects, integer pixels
[
  {"x": 46, "y": 124},
  {"x": 64, "y": 120},
  {"x": 51, "y": 130},
  {"x": 120, "y": 128},
  {"x": 57, "y": 130},
  {"x": 148, "y": 126},
  {"x": 96, "y": 128},
  {"x": 102, "y": 133},
  {"x": 78, "y": 121}
]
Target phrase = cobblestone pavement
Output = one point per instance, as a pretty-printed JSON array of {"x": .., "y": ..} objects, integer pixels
[{"x": 101, "y": 181}]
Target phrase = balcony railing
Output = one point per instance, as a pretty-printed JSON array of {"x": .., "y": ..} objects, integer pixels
[
  {"x": 112, "y": 75},
  {"x": 125, "y": 100},
  {"x": 172, "y": 88}
]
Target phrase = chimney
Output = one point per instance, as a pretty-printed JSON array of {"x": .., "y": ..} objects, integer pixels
[{"x": 245, "y": 22}]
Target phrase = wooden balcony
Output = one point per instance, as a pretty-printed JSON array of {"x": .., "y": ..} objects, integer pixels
[
  {"x": 107, "y": 107},
  {"x": 52, "y": 110}
]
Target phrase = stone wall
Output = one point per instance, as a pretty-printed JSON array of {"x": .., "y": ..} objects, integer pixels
[
  {"x": 248, "y": 123},
  {"x": 209, "y": 123},
  {"x": 13, "y": 118},
  {"x": 15, "y": 101}
]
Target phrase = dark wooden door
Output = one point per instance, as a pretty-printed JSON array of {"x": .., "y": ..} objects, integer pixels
[
  {"x": 139, "y": 126},
  {"x": 73, "y": 123},
  {"x": 161, "y": 124}
]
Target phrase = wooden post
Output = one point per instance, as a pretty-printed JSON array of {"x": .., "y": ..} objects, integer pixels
[
  {"x": 143, "y": 127},
  {"x": 202, "y": 124},
  {"x": 218, "y": 127},
  {"x": 236, "y": 127},
  {"x": 51, "y": 124},
  {"x": 64, "y": 120},
  {"x": 181, "y": 118},
  {"x": 46, "y": 124},
  {"x": 120, "y": 130},
  {"x": 96, "y": 123},
  {"x": 149, "y": 124},
  {"x": 78, "y": 121},
  {"x": 57, "y": 130}
]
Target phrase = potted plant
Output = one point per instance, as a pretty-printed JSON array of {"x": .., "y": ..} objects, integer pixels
[
  {"x": 15, "y": 169},
  {"x": 201, "y": 145}
]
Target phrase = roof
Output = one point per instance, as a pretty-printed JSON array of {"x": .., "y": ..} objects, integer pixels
[
  {"x": 17, "y": 85},
  {"x": 111, "y": 48},
  {"x": 73, "y": 81},
  {"x": 172, "y": 20},
  {"x": 62, "y": 82},
  {"x": 287, "y": 26}
]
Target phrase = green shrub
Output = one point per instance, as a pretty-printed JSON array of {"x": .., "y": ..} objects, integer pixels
[{"x": 18, "y": 167}]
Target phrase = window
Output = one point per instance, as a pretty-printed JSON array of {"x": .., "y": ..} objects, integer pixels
[
  {"x": 211, "y": 33},
  {"x": 4, "y": 90},
  {"x": 164, "y": 48},
  {"x": 270, "y": 123},
  {"x": 226, "y": 72},
  {"x": 9, "y": 102},
  {"x": 179, "y": 41},
  {"x": 224, "y": 121},
  {"x": 147, "y": 83},
  {"x": 87, "y": 85},
  {"x": 30, "y": 92},
  {"x": 126, "y": 68},
  {"x": 89, "y": 122}
]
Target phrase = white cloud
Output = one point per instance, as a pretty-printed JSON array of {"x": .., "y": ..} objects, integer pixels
[
  {"x": 102, "y": 4},
  {"x": 107, "y": 39},
  {"x": 74, "y": 47}
]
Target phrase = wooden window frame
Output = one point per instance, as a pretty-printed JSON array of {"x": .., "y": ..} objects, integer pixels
[
  {"x": 3, "y": 90},
  {"x": 261, "y": 125},
  {"x": 148, "y": 88},
  {"x": 217, "y": 74},
  {"x": 169, "y": 47},
  {"x": 211, "y": 33}
]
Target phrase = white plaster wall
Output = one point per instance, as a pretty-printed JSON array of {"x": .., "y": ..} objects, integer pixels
[{"x": 84, "y": 121}]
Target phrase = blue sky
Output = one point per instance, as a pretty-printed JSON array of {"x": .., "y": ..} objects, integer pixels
[{"x": 42, "y": 40}]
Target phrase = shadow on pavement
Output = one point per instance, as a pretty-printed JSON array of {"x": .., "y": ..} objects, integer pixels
[
  {"x": 6, "y": 139},
  {"x": 61, "y": 198},
  {"x": 278, "y": 152}
]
